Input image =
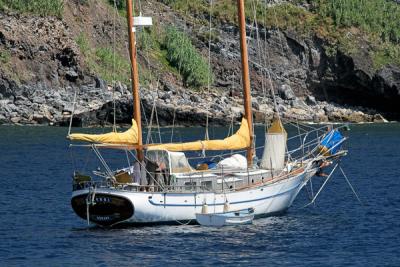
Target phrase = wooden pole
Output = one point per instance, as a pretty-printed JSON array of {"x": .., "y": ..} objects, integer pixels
[
  {"x": 245, "y": 79},
  {"x": 134, "y": 77}
]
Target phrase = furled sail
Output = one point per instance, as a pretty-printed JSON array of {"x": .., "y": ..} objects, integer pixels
[
  {"x": 331, "y": 143},
  {"x": 275, "y": 147},
  {"x": 129, "y": 137},
  {"x": 240, "y": 140}
]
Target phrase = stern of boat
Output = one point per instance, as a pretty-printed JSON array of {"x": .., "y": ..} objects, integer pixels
[{"x": 104, "y": 209}]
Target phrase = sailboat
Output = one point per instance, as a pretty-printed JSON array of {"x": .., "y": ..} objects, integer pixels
[{"x": 162, "y": 187}]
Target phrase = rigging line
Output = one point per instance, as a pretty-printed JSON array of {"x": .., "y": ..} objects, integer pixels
[
  {"x": 308, "y": 144},
  {"x": 305, "y": 125},
  {"x": 71, "y": 154},
  {"x": 140, "y": 34},
  {"x": 231, "y": 126},
  {"x": 100, "y": 157},
  {"x": 298, "y": 131},
  {"x": 88, "y": 158},
  {"x": 262, "y": 57},
  {"x": 320, "y": 129},
  {"x": 322, "y": 186},
  {"x": 248, "y": 45},
  {"x": 322, "y": 152},
  {"x": 301, "y": 127},
  {"x": 268, "y": 60},
  {"x": 150, "y": 122},
  {"x": 173, "y": 125},
  {"x": 263, "y": 61},
  {"x": 255, "y": 5},
  {"x": 311, "y": 188},
  {"x": 146, "y": 48},
  {"x": 158, "y": 124},
  {"x": 276, "y": 21},
  {"x": 127, "y": 158},
  {"x": 207, "y": 137},
  {"x": 149, "y": 137},
  {"x": 114, "y": 67},
  {"x": 351, "y": 187},
  {"x": 140, "y": 7},
  {"x": 144, "y": 113},
  {"x": 72, "y": 114}
]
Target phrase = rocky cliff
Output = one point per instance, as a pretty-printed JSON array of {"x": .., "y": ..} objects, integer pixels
[{"x": 45, "y": 61}]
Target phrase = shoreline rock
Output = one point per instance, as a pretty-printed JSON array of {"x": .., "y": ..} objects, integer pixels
[{"x": 35, "y": 105}]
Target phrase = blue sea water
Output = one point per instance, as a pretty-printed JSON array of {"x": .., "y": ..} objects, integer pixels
[{"x": 39, "y": 228}]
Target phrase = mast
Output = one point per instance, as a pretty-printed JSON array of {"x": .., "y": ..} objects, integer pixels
[
  {"x": 134, "y": 78},
  {"x": 245, "y": 79}
]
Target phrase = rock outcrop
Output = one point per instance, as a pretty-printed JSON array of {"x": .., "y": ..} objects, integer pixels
[{"x": 45, "y": 67}]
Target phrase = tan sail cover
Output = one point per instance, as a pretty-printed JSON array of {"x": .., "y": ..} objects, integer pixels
[
  {"x": 240, "y": 140},
  {"x": 275, "y": 147},
  {"x": 129, "y": 137}
]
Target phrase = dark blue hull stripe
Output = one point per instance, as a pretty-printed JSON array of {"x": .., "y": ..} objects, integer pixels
[{"x": 219, "y": 204}]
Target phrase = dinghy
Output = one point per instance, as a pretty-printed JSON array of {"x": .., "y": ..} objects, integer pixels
[{"x": 238, "y": 217}]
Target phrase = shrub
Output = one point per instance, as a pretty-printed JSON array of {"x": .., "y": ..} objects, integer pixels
[
  {"x": 83, "y": 43},
  {"x": 5, "y": 57},
  {"x": 112, "y": 66},
  {"x": 103, "y": 61},
  {"x": 146, "y": 39},
  {"x": 184, "y": 56}
]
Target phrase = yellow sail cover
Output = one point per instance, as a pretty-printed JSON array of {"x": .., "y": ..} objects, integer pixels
[
  {"x": 240, "y": 140},
  {"x": 129, "y": 137}
]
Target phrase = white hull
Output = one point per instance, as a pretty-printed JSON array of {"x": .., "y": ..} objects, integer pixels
[
  {"x": 158, "y": 207},
  {"x": 223, "y": 219}
]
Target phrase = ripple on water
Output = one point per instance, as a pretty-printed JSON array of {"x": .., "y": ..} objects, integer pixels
[{"x": 38, "y": 223}]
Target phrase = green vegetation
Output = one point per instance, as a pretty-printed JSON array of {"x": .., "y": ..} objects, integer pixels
[
  {"x": 346, "y": 24},
  {"x": 39, "y": 7},
  {"x": 288, "y": 16},
  {"x": 150, "y": 45},
  {"x": 385, "y": 54},
  {"x": 184, "y": 56},
  {"x": 378, "y": 17},
  {"x": 121, "y": 4},
  {"x": 7, "y": 68},
  {"x": 5, "y": 57},
  {"x": 283, "y": 16},
  {"x": 175, "y": 53},
  {"x": 378, "y": 21},
  {"x": 83, "y": 43},
  {"x": 184, "y": 6},
  {"x": 147, "y": 40},
  {"x": 111, "y": 66}
]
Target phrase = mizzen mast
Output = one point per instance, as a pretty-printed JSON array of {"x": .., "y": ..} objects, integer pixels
[
  {"x": 134, "y": 77},
  {"x": 245, "y": 78}
]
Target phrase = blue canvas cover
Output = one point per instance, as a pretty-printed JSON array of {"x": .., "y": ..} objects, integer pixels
[{"x": 331, "y": 142}]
